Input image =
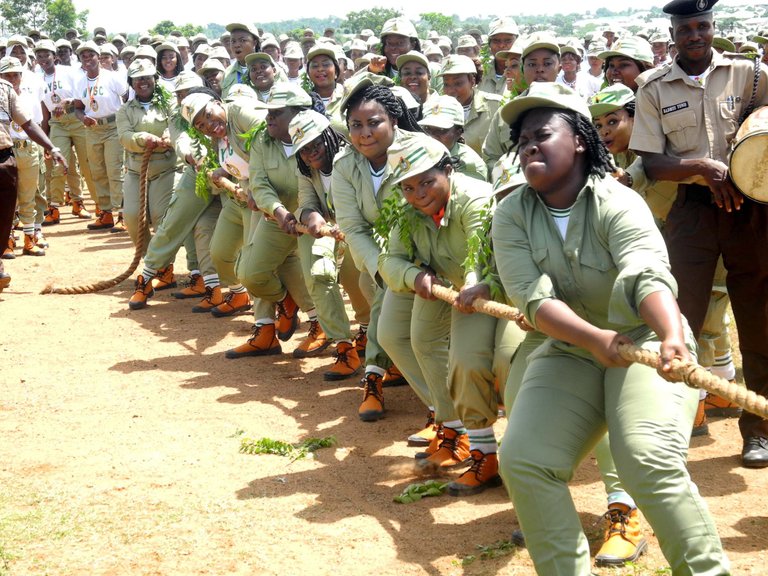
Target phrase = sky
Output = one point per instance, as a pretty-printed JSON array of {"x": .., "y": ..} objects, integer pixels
[{"x": 139, "y": 15}]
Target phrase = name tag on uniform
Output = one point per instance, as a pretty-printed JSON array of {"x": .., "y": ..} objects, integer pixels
[{"x": 674, "y": 108}]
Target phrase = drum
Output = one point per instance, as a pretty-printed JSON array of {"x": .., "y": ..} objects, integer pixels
[{"x": 748, "y": 164}]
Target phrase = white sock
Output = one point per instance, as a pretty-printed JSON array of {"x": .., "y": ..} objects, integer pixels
[
  {"x": 375, "y": 369},
  {"x": 455, "y": 425},
  {"x": 149, "y": 273},
  {"x": 237, "y": 289},
  {"x": 211, "y": 280},
  {"x": 483, "y": 439},
  {"x": 621, "y": 497},
  {"x": 264, "y": 321}
]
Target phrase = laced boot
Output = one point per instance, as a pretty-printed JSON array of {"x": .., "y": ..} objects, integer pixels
[
  {"x": 164, "y": 278},
  {"x": 315, "y": 342},
  {"x": 624, "y": 541},
  {"x": 103, "y": 222},
  {"x": 67, "y": 198},
  {"x": 393, "y": 377},
  {"x": 261, "y": 343},
  {"x": 40, "y": 240},
  {"x": 142, "y": 292},
  {"x": 233, "y": 303},
  {"x": 52, "y": 216},
  {"x": 347, "y": 363},
  {"x": 361, "y": 341},
  {"x": 717, "y": 407},
  {"x": 484, "y": 473},
  {"x": 211, "y": 299},
  {"x": 30, "y": 246},
  {"x": 119, "y": 224},
  {"x": 372, "y": 406},
  {"x": 195, "y": 288},
  {"x": 8, "y": 253},
  {"x": 700, "y": 426},
  {"x": 453, "y": 451},
  {"x": 424, "y": 436},
  {"x": 286, "y": 317},
  {"x": 434, "y": 444},
  {"x": 78, "y": 209}
]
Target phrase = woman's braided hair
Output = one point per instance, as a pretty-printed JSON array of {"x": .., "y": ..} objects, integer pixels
[
  {"x": 599, "y": 160},
  {"x": 395, "y": 107},
  {"x": 333, "y": 142}
]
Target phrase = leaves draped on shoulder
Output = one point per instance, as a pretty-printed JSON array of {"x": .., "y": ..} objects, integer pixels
[
  {"x": 250, "y": 136},
  {"x": 161, "y": 99},
  {"x": 210, "y": 161}
]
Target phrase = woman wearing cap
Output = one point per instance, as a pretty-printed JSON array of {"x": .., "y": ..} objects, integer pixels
[
  {"x": 244, "y": 40},
  {"x": 398, "y": 36},
  {"x": 108, "y": 57},
  {"x": 443, "y": 119},
  {"x": 582, "y": 259},
  {"x": 502, "y": 33},
  {"x": 315, "y": 144},
  {"x": 570, "y": 74},
  {"x": 415, "y": 75},
  {"x": 324, "y": 74},
  {"x": 190, "y": 218},
  {"x": 212, "y": 71},
  {"x": 460, "y": 78},
  {"x": 626, "y": 60},
  {"x": 273, "y": 191},
  {"x": 169, "y": 65},
  {"x": 444, "y": 215},
  {"x": 100, "y": 95},
  {"x": 361, "y": 186}
]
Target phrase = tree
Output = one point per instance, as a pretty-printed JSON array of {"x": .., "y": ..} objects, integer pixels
[
  {"x": 442, "y": 24},
  {"x": 373, "y": 18},
  {"x": 62, "y": 16},
  {"x": 21, "y": 15},
  {"x": 165, "y": 27}
]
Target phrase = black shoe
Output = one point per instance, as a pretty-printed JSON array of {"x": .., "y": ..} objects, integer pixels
[
  {"x": 517, "y": 538},
  {"x": 755, "y": 452}
]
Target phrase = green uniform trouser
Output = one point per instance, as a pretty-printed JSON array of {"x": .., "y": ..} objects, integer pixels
[
  {"x": 374, "y": 353},
  {"x": 105, "y": 159},
  {"x": 66, "y": 132},
  {"x": 182, "y": 219},
  {"x": 41, "y": 195},
  {"x": 562, "y": 418},
  {"x": 414, "y": 333},
  {"x": 358, "y": 286},
  {"x": 322, "y": 272},
  {"x": 28, "y": 161},
  {"x": 714, "y": 340},
  {"x": 269, "y": 267},
  {"x": 159, "y": 191}
]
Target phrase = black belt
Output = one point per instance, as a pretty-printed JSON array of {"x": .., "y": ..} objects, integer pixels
[{"x": 696, "y": 193}]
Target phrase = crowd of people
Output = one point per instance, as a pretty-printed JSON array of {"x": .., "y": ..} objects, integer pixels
[{"x": 584, "y": 181}]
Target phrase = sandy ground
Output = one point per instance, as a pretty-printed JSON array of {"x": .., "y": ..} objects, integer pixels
[{"x": 120, "y": 435}]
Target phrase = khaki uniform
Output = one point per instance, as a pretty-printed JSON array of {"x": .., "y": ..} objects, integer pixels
[
  {"x": 611, "y": 259},
  {"x": 134, "y": 125},
  {"x": 470, "y": 163},
  {"x": 679, "y": 117},
  {"x": 497, "y": 142},
  {"x": 476, "y": 125},
  {"x": 233, "y": 75},
  {"x": 492, "y": 83}
]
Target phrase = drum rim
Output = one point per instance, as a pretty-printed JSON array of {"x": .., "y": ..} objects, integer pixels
[{"x": 730, "y": 162}]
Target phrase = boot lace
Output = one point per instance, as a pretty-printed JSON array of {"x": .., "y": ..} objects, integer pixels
[
  {"x": 617, "y": 520},
  {"x": 314, "y": 329},
  {"x": 371, "y": 387}
]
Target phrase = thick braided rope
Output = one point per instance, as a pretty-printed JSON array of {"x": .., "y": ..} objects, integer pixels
[
  {"x": 690, "y": 372},
  {"x": 141, "y": 245},
  {"x": 232, "y": 188}
]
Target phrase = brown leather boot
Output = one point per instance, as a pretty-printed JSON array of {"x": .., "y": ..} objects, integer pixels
[
  {"x": 700, "y": 426},
  {"x": 361, "y": 341},
  {"x": 232, "y": 303},
  {"x": 717, "y": 407},
  {"x": 119, "y": 224},
  {"x": 211, "y": 299},
  {"x": 79, "y": 210},
  {"x": 52, "y": 216},
  {"x": 452, "y": 452},
  {"x": 195, "y": 288},
  {"x": 8, "y": 253},
  {"x": 424, "y": 436},
  {"x": 372, "y": 407},
  {"x": 262, "y": 342},
  {"x": 434, "y": 444},
  {"x": 624, "y": 541},
  {"x": 103, "y": 222},
  {"x": 483, "y": 474},
  {"x": 286, "y": 317},
  {"x": 347, "y": 363},
  {"x": 394, "y": 377},
  {"x": 141, "y": 293},
  {"x": 164, "y": 279},
  {"x": 30, "y": 246},
  {"x": 315, "y": 342}
]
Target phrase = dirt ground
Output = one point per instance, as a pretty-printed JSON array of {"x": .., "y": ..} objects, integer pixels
[{"x": 120, "y": 435}]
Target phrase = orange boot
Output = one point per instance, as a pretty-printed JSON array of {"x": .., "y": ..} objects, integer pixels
[
  {"x": 8, "y": 253},
  {"x": 700, "y": 426},
  {"x": 52, "y": 216},
  {"x": 434, "y": 444},
  {"x": 211, "y": 299},
  {"x": 315, "y": 342},
  {"x": 141, "y": 294},
  {"x": 164, "y": 278},
  {"x": 394, "y": 377},
  {"x": 79, "y": 210},
  {"x": 372, "y": 406},
  {"x": 624, "y": 541},
  {"x": 715, "y": 406},
  {"x": 261, "y": 343},
  {"x": 286, "y": 317},
  {"x": 103, "y": 222},
  {"x": 233, "y": 303},
  {"x": 361, "y": 341},
  {"x": 484, "y": 473},
  {"x": 195, "y": 288},
  {"x": 119, "y": 224},
  {"x": 424, "y": 436},
  {"x": 346, "y": 365},
  {"x": 452, "y": 452},
  {"x": 30, "y": 246}
]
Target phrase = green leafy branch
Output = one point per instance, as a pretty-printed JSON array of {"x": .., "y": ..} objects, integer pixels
[
  {"x": 395, "y": 212},
  {"x": 495, "y": 550},
  {"x": 415, "y": 492},
  {"x": 480, "y": 254},
  {"x": 306, "y": 84},
  {"x": 250, "y": 136},
  {"x": 487, "y": 60},
  {"x": 161, "y": 99},
  {"x": 210, "y": 162},
  {"x": 280, "y": 448}
]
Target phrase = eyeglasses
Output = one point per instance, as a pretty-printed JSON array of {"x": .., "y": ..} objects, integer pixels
[
  {"x": 315, "y": 146},
  {"x": 317, "y": 64}
]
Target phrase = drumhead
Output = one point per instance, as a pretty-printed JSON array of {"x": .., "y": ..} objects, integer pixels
[{"x": 748, "y": 166}]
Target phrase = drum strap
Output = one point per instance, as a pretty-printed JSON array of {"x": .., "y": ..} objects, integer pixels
[{"x": 751, "y": 106}]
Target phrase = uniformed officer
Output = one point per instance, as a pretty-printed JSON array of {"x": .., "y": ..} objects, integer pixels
[
  {"x": 244, "y": 40},
  {"x": 502, "y": 33},
  {"x": 687, "y": 115}
]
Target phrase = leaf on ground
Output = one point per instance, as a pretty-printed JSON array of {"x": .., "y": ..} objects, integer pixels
[{"x": 415, "y": 492}]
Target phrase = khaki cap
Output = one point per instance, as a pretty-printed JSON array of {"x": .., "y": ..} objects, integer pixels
[
  {"x": 322, "y": 50},
  {"x": 399, "y": 25},
  {"x": 145, "y": 50},
  {"x": 610, "y": 99},
  {"x": 411, "y": 156},
  {"x": 539, "y": 40},
  {"x": 90, "y": 45},
  {"x": 305, "y": 127},
  {"x": 256, "y": 56},
  {"x": 63, "y": 42},
  {"x": 467, "y": 41},
  {"x": 413, "y": 56},
  {"x": 240, "y": 26},
  {"x": 212, "y": 64},
  {"x": 545, "y": 95},
  {"x": 442, "y": 112},
  {"x": 503, "y": 25},
  {"x": 361, "y": 81},
  {"x": 186, "y": 80},
  {"x": 283, "y": 95},
  {"x": 507, "y": 174},
  {"x": 141, "y": 67},
  {"x": 9, "y": 65},
  {"x": 457, "y": 64},
  {"x": 193, "y": 104},
  {"x": 630, "y": 47},
  {"x": 45, "y": 44}
]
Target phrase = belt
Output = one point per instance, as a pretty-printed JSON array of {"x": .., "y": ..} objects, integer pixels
[
  {"x": 696, "y": 193},
  {"x": 106, "y": 120},
  {"x": 22, "y": 143}
]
